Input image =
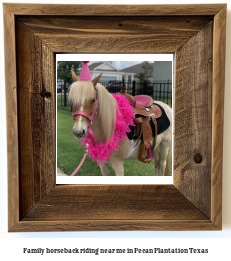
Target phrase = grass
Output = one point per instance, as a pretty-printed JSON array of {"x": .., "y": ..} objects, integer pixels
[{"x": 69, "y": 153}]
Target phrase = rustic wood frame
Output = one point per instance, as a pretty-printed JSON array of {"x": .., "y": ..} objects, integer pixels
[{"x": 33, "y": 34}]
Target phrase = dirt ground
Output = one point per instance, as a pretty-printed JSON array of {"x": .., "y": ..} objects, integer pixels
[{"x": 60, "y": 172}]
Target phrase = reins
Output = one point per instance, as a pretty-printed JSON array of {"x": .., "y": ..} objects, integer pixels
[{"x": 90, "y": 118}]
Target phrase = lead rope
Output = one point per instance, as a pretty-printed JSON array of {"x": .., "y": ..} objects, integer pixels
[
  {"x": 87, "y": 142},
  {"x": 83, "y": 159}
]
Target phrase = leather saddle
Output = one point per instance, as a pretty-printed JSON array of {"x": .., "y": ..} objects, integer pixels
[{"x": 145, "y": 111}]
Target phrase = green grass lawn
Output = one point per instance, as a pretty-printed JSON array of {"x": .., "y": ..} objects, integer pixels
[{"x": 69, "y": 153}]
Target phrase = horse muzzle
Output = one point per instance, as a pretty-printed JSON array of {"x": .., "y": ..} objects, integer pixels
[{"x": 79, "y": 133}]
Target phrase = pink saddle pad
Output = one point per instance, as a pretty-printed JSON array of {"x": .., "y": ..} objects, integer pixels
[{"x": 143, "y": 100}]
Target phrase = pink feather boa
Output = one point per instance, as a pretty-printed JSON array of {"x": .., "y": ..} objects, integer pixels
[{"x": 124, "y": 117}]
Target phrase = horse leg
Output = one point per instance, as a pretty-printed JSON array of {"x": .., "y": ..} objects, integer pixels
[
  {"x": 164, "y": 146},
  {"x": 169, "y": 162},
  {"x": 116, "y": 163},
  {"x": 116, "y": 160},
  {"x": 118, "y": 167},
  {"x": 105, "y": 169},
  {"x": 156, "y": 157}
]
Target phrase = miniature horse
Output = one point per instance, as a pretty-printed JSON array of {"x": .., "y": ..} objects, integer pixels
[{"x": 83, "y": 95}]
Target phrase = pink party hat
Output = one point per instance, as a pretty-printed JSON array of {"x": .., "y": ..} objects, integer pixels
[{"x": 85, "y": 73}]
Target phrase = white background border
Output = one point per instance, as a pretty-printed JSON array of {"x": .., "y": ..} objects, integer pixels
[{"x": 218, "y": 241}]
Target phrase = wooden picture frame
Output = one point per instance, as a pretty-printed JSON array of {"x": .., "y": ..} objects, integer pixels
[{"x": 34, "y": 33}]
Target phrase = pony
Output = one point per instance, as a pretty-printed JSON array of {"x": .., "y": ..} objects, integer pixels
[{"x": 84, "y": 97}]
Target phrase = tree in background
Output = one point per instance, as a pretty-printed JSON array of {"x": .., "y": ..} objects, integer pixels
[
  {"x": 64, "y": 70},
  {"x": 64, "y": 73},
  {"x": 147, "y": 68}
]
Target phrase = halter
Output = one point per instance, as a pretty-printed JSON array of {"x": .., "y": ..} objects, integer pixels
[
  {"x": 90, "y": 118},
  {"x": 83, "y": 114}
]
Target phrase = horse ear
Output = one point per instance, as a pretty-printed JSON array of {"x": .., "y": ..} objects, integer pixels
[
  {"x": 74, "y": 76},
  {"x": 96, "y": 79}
]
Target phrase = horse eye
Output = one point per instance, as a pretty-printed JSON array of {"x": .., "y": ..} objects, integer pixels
[{"x": 93, "y": 101}]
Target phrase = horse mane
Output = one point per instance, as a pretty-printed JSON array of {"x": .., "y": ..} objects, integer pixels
[
  {"x": 107, "y": 112},
  {"x": 82, "y": 91}
]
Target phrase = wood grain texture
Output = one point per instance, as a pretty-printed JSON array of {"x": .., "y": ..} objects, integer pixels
[
  {"x": 108, "y": 202},
  {"x": 114, "y": 34},
  {"x": 114, "y": 225},
  {"x": 218, "y": 114},
  {"x": 35, "y": 67},
  {"x": 108, "y": 207},
  {"x": 193, "y": 113},
  {"x": 114, "y": 10},
  {"x": 194, "y": 201},
  {"x": 11, "y": 116}
]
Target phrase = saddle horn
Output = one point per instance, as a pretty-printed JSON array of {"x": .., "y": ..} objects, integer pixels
[
  {"x": 74, "y": 76},
  {"x": 96, "y": 79}
]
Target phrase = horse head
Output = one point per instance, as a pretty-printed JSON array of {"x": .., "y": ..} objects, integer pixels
[{"x": 83, "y": 96}]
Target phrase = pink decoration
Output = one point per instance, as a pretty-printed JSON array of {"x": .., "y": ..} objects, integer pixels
[
  {"x": 143, "y": 100},
  {"x": 85, "y": 73},
  {"x": 124, "y": 117}
]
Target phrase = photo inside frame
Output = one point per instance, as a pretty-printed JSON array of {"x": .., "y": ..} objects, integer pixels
[{"x": 121, "y": 109}]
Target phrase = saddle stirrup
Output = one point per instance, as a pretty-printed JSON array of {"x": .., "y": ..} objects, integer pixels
[{"x": 144, "y": 148}]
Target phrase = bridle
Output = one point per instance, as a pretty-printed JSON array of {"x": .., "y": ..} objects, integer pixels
[{"x": 90, "y": 118}]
